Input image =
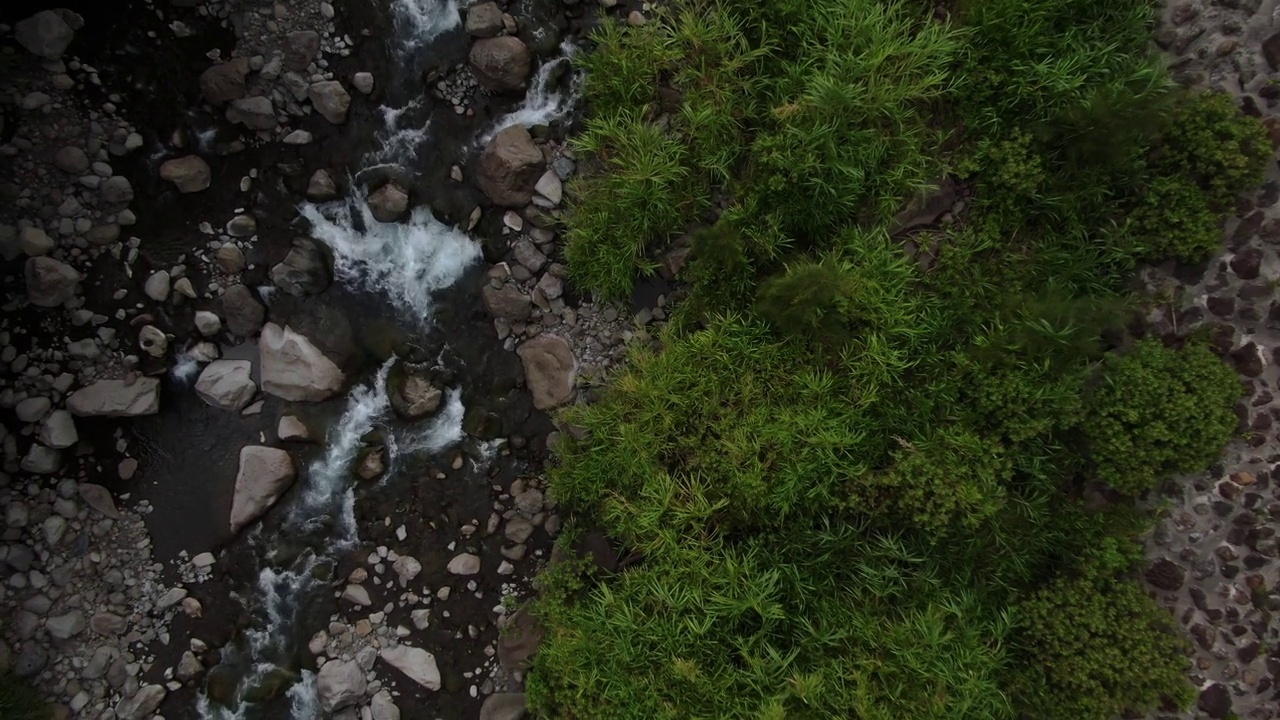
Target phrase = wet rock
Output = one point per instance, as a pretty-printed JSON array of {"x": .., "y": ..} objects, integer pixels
[
  {"x": 189, "y": 173},
  {"x": 304, "y": 270},
  {"x": 321, "y": 187},
  {"x": 1166, "y": 575},
  {"x": 230, "y": 259},
  {"x": 293, "y": 368},
  {"x": 550, "y": 370},
  {"x": 71, "y": 159},
  {"x": 413, "y": 397},
  {"x": 208, "y": 324},
  {"x": 1215, "y": 701},
  {"x": 41, "y": 460},
  {"x": 116, "y": 190},
  {"x": 464, "y": 564},
  {"x": 50, "y": 283},
  {"x": 388, "y": 203},
  {"x": 99, "y": 498},
  {"x": 45, "y": 34},
  {"x": 153, "y": 341},
  {"x": 503, "y": 706},
  {"x": 142, "y": 704},
  {"x": 331, "y": 100},
  {"x": 224, "y": 82},
  {"x": 484, "y": 20},
  {"x": 116, "y": 398},
  {"x": 255, "y": 113},
  {"x": 300, "y": 49},
  {"x": 373, "y": 464},
  {"x": 340, "y": 684},
  {"x": 157, "y": 286},
  {"x": 363, "y": 82},
  {"x": 510, "y": 167},
  {"x": 265, "y": 474},
  {"x": 501, "y": 63},
  {"x": 65, "y": 627},
  {"x": 59, "y": 430},
  {"x": 244, "y": 314},
  {"x": 226, "y": 384},
  {"x": 506, "y": 302},
  {"x": 292, "y": 429},
  {"x": 417, "y": 664}
]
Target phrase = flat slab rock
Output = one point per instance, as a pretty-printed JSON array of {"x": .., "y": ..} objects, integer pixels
[
  {"x": 116, "y": 398},
  {"x": 417, "y": 664},
  {"x": 265, "y": 474}
]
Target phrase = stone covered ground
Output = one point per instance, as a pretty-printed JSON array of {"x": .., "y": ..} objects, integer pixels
[{"x": 156, "y": 403}]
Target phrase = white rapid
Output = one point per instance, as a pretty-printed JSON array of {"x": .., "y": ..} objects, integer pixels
[{"x": 544, "y": 102}]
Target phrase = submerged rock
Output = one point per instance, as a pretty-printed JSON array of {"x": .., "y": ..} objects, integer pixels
[
  {"x": 265, "y": 474},
  {"x": 293, "y": 368}
]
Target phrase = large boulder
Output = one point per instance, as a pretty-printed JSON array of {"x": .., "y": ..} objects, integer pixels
[
  {"x": 412, "y": 395},
  {"x": 388, "y": 203},
  {"x": 265, "y": 474},
  {"x": 340, "y": 684},
  {"x": 509, "y": 167},
  {"x": 416, "y": 663},
  {"x": 116, "y": 398},
  {"x": 506, "y": 302},
  {"x": 501, "y": 63},
  {"x": 50, "y": 282},
  {"x": 255, "y": 113},
  {"x": 304, "y": 271},
  {"x": 484, "y": 20},
  {"x": 549, "y": 370},
  {"x": 300, "y": 48},
  {"x": 321, "y": 187},
  {"x": 242, "y": 311},
  {"x": 226, "y": 384},
  {"x": 224, "y": 82},
  {"x": 293, "y": 368},
  {"x": 189, "y": 173},
  {"x": 45, "y": 34},
  {"x": 331, "y": 100},
  {"x": 519, "y": 640}
]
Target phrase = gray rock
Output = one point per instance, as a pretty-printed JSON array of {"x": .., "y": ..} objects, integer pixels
[
  {"x": 16, "y": 515},
  {"x": 293, "y": 368},
  {"x": 188, "y": 667},
  {"x": 116, "y": 190},
  {"x": 116, "y": 398},
  {"x": 510, "y": 167},
  {"x": 406, "y": 568},
  {"x": 300, "y": 48},
  {"x": 388, "y": 203},
  {"x": 153, "y": 341},
  {"x": 321, "y": 187},
  {"x": 45, "y": 34},
  {"x": 53, "y": 528},
  {"x": 363, "y": 82},
  {"x": 501, "y": 63},
  {"x": 292, "y": 429},
  {"x": 41, "y": 460},
  {"x": 30, "y": 661},
  {"x": 464, "y": 564},
  {"x": 158, "y": 285},
  {"x": 32, "y": 409},
  {"x": 50, "y": 283},
  {"x": 71, "y": 159},
  {"x": 340, "y": 684},
  {"x": 265, "y": 474},
  {"x": 65, "y": 627},
  {"x": 484, "y": 20},
  {"x": 331, "y": 100},
  {"x": 417, "y": 664},
  {"x": 383, "y": 707},
  {"x": 357, "y": 595},
  {"x": 224, "y": 82},
  {"x": 208, "y": 324},
  {"x": 243, "y": 313},
  {"x": 506, "y": 302},
  {"x": 528, "y": 255},
  {"x": 142, "y": 704},
  {"x": 242, "y": 226},
  {"x": 503, "y": 706},
  {"x": 99, "y": 498},
  {"x": 551, "y": 286},
  {"x": 189, "y": 173},
  {"x": 108, "y": 624},
  {"x": 550, "y": 370},
  {"x": 304, "y": 270},
  {"x": 183, "y": 287},
  {"x": 255, "y": 113},
  {"x": 298, "y": 137},
  {"x": 230, "y": 259},
  {"x": 59, "y": 430},
  {"x": 35, "y": 242},
  {"x": 226, "y": 384}
]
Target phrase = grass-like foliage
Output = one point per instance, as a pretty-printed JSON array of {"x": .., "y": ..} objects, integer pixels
[
  {"x": 19, "y": 702},
  {"x": 1159, "y": 411},
  {"x": 849, "y": 477}
]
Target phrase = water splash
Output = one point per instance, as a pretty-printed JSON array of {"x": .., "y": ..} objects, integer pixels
[
  {"x": 444, "y": 430},
  {"x": 304, "y": 700},
  {"x": 185, "y": 368},
  {"x": 418, "y": 22},
  {"x": 545, "y": 102},
  {"x": 408, "y": 262}
]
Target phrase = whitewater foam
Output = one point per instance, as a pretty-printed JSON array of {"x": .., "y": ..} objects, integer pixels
[{"x": 544, "y": 103}]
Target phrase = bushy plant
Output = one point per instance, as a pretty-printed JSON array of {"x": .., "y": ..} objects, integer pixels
[
  {"x": 1158, "y": 411},
  {"x": 1173, "y": 221},
  {"x": 1210, "y": 142},
  {"x": 623, "y": 71},
  {"x": 1097, "y": 646}
]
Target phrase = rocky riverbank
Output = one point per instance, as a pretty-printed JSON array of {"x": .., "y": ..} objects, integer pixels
[{"x": 178, "y": 345}]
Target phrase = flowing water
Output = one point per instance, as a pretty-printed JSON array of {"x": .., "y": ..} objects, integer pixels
[{"x": 406, "y": 265}]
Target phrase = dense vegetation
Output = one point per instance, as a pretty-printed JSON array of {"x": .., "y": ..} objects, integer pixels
[
  {"x": 19, "y": 702},
  {"x": 851, "y": 481}
]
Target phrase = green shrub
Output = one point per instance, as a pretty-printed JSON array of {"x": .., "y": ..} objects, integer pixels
[
  {"x": 719, "y": 271},
  {"x": 19, "y": 702},
  {"x": 1209, "y": 141},
  {"x": 1097, "y": 647},
  {"x": 639, "y": 196},
  {"x": 1173, "y": 221},
  {"x": 623, "y": 71},
  {"x": 1159, "y": 411}
]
